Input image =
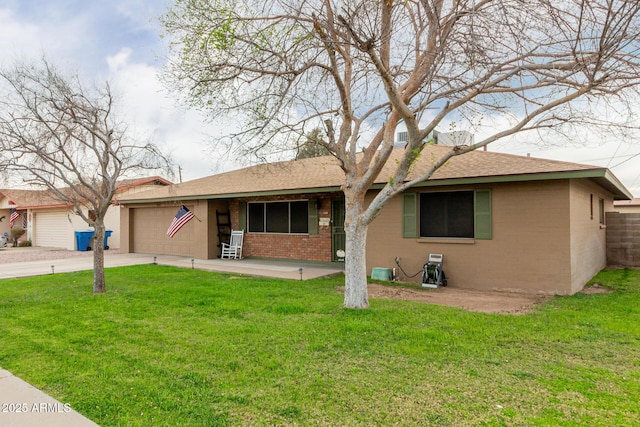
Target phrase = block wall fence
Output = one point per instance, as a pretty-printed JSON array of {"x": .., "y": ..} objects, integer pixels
[{"x": 623, "y": 239}]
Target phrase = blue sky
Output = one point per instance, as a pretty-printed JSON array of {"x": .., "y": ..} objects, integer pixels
[
  {"x": 82, "y": 34},
  {"x": 120, "y": 41}
]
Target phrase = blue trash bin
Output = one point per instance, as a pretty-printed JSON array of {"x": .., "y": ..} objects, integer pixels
[
  {"x": 107, "y": 234},
  {"x": 83, "y": 240}
]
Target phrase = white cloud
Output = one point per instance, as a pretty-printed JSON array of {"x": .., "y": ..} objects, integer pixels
[
  {"x": 119, "y": 60},
  {"x": 25, "y": 40},
  {"x": 114, "y": 41},
  {"x": 151, "y": 112},
  {"x": 610, "y": 147}
]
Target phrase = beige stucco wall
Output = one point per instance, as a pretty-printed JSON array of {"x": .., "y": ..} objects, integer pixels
[
  {"x": 112, "y": 219},
  {"x": 4, "y": 224},
  {"x": 543, "y": 237},
  {"x": 143, "y": 229},
  {"x": 5, "y": 210},
  {"x": 111, "y": 222},
  {"x": 588, "y": 237},
  {"x": 126, "y": 242},
  {"x": 530, "y": 249},
  {"x": 72, "y": 222}
]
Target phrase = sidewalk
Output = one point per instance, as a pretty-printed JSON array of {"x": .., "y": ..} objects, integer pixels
[
  {"x": 22, "y": 405},
  {"x": 252, "y": 267}
]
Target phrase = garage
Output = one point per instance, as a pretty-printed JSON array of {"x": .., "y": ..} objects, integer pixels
[
  {"x": 149, "y": 232},
  {"x": 52, "y": 229}
]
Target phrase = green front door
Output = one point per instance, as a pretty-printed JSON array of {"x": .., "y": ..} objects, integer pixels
[{"x": 338, "y": 236}]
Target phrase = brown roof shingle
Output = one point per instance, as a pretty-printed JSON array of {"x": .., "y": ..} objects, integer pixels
[
  {"x": 316, "y": 174},
  {"x": 22, "y": 197},
  {"x": 39, "y": 199}
]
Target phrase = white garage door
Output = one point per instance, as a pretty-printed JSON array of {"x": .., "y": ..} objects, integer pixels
[
  {"x": 150, "y": 232},
  {"x": 52, "y": 229}
]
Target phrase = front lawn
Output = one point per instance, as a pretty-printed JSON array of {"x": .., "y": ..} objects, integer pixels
[{"x": 177, "y": 347}]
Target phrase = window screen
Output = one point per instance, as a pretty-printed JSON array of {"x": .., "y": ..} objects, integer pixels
[
  {"x": 299, "y": 217},
  {"x": 447, "y": 214},
  {"x": 256, "y": 217},
  {"x": 279, "y": 217}
]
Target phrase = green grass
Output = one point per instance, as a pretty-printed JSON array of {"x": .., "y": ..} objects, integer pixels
[{"x": 176, "y": 347}]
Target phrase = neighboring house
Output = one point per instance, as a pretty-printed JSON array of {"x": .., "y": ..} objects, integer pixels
[
  {"x": 627, "y": 206},
  {"x": 501, "y": 221},
  {"x": 51, "y": 223},
  {"x": 9, "y": 200}
]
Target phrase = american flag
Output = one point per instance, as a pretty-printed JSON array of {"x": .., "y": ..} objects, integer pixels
[
  {"x": 183, "y": 216},
  {"x": 14, "y": 216}
]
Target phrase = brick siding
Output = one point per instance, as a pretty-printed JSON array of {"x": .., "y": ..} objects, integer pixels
[{"x": 310, "y": 247}]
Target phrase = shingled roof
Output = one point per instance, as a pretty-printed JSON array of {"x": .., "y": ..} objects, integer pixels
[
  {"x": 21, "y": 197},
  {"x": 41, "y": 199},
  {"x": 323, "y": 174}
]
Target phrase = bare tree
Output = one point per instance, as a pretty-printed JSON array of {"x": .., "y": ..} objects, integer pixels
[
  {"x": 359, "y": 68},
  {"x": 56, "y": 134}
]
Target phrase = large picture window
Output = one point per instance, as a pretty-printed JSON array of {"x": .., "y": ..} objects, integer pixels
[
  {"x": 447, "y": 214},
  {"x": 278, "y": 217},
  {"x": 456, "y": 214}
]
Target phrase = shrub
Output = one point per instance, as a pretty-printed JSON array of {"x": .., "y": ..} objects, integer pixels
[{"x": 17, "y": 232}]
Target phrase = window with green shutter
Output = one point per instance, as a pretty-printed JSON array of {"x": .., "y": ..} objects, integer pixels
[
  {"x": 242, "y": 216},
  {"x": 313, "y": 216},
  {"x": 482, "y": 214},
  {"x": 409, "y": 213},
  {"x": 448, "y": 214}
]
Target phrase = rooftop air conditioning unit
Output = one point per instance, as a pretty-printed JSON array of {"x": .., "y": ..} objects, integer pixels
[
  {"x": 401, "y": 139},
  {"x": 454, "y": 139}
]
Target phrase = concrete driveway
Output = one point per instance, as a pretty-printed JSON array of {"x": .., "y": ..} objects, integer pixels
[{"x": 35, "y": 261}]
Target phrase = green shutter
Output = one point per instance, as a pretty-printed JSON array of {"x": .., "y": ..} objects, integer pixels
[
  {"x": 242, "y": 216},
  {"x": 409, "y": 212},
  {"x": 313, "y": 216},
  {"x": 482, "y": 219}
]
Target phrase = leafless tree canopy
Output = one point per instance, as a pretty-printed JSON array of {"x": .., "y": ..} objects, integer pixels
[
  {"x": 364, "y": 65},
  {"x": 358, "y": 68},
  {"x": 57, "y": 134}
]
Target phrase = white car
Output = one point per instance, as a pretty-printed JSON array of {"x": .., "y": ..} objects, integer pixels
[{"x": 3, "y": 242}]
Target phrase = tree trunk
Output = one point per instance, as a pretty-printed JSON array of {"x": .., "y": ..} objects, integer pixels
[
  {"x": 356, "y": 294},
  {"x": 99, "y": 284}
]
